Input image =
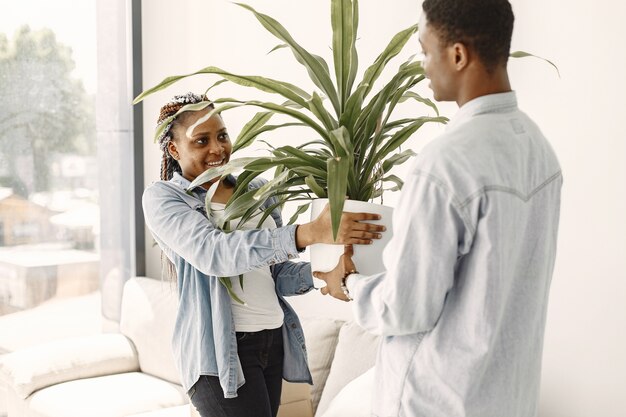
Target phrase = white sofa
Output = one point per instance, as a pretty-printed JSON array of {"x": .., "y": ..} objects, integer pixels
[{"x": 132, "y": 373}]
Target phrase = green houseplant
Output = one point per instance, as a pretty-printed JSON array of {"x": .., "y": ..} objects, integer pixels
[{"x": 357, "y": 140}]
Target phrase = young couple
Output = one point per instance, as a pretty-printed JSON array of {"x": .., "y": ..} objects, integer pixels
[{"x": 462, "y": 303}]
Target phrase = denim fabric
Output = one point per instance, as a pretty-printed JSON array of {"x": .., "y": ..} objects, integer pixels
[
  {"x": 204, "y": 341},
  {"x": 462, "y": 304},
  {"x": 261, "y": 356}
]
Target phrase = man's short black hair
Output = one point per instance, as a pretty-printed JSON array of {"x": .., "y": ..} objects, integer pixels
[{"x": 485, "y": 26}]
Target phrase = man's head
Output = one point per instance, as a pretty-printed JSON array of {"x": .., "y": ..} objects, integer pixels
[{"x": 462, "y": 35}]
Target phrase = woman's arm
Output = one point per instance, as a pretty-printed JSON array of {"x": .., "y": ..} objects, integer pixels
[
  {"x": 292, "y": 278},
  {"x": 189, "y": 234}
]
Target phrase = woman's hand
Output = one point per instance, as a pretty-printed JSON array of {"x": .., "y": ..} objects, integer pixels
[
  {"x": 335, "y": 277},
  {"x": 352, "y": 230}
]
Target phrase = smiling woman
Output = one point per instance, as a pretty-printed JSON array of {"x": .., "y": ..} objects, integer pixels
[
  {"x": 218, "y": 318},
  {"x": 193, "y": 142}
]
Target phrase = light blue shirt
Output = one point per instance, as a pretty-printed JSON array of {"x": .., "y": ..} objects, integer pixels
[
  {"x": 204, "y": 340},
  {"x": 462, "y": 304}
]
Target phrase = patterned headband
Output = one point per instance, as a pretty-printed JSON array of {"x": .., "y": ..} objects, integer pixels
[{"x": 189, "y": 98}]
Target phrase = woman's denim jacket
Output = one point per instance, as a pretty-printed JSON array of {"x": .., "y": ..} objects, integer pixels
[{"x": 204, "y": 340}]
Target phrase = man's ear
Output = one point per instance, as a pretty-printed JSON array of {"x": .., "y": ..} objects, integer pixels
[
  {"x": 171, "y": 148},
  {"x": 459, "y": 55}
]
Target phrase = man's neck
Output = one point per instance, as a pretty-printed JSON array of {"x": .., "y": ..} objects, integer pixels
[{"x": 481, "y": 83}]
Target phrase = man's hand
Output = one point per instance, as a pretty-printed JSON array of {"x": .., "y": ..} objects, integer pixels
[
  {"x": 334, "y": 278},
  {"x": 352, "y": 229}
]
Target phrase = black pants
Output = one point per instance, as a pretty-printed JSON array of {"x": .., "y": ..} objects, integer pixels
[{"x": 261, "y": 357}]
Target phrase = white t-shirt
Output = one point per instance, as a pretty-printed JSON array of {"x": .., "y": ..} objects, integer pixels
[{"x": 261, "y": 309}]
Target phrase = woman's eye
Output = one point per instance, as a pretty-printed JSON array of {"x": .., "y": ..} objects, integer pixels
[{"x": 223, "y": 136}]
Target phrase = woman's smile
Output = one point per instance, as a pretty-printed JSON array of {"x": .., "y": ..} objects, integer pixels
[{"x": 216, "y": 163}]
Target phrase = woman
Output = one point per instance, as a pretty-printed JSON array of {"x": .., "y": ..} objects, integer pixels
[{"x": 232, "y": 356}]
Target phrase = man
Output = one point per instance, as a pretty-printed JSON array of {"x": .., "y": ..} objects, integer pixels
[{"x": 462, "y": 304}]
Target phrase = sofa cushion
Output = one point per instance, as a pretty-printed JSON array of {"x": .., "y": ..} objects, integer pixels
[
  {"x": 321, "y": 339},
  {"x": 355, "y": 399},
  {"x": 296, "y": 409},
  {"x": 30, "y": 369},
  {"x": 148, "y": 315},
  {"x": 295, "y": 400},
  {"x": 346, "y": 365},
  {"x": 109, "y": 396}
]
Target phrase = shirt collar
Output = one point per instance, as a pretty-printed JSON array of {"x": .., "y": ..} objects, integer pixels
[
  {"x": 180, "y": 180},
  {"x": 490, "y": 103},
  {"x": 184, "y": 183}
]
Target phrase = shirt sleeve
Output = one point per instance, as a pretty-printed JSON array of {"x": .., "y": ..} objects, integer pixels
[
  {"x": 429, "y": 236},
  {"x": 188, "y": 233},
  {"x": 293, "y": 278}
]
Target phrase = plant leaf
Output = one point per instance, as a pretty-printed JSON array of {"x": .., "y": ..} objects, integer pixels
[
  {"x": 259, "y": 119},
  {"x": 224, "y": 170},
  {"x": 285, "y": 110},
  {"x": 249, "y": 138},
  {"x": 417, "y": 97},
  {"x": 215, "y": 84},
  {"x": 338, "y": 169},
  {"x": 394, "y": 47},
  {"x": 315, "y": 187},
  {"x": 307, "y": 158},
  {"x": 287, "y": 90},
  {"x": 301, "y": 209},
  {"x": 354, "y": 60},
  {"x": 318, "y": 74},
  {"x": 341, "y": 142},
  {"x": 277, "y": 47},
  {"x": 343, "y": 42},
  {"x": 266, "y": 189},
  {"x": 401, "y": 136},
  {"x": 522, "y": 54},
  {"x": 396, "y": 180},
  {"x": 397, "y": 159},
  {"x": 187, "y": 107},
  {"x": 316, "y": 106},
  {"x": 226, "y": 282}
]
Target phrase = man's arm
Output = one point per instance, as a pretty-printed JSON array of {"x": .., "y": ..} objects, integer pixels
[{"x": 429, "y": 236}]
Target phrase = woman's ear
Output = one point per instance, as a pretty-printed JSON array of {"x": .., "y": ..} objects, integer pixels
[{"x": 171, "y": 148}]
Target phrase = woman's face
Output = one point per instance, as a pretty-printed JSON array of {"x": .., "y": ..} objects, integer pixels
[{"x": 200, "y": 143}]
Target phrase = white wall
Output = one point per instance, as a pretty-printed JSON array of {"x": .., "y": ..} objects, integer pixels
[{"x": 584, "y": 365}]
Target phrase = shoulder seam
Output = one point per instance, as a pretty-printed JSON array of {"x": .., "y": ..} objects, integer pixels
[
  {"x": 524, "y": 197},
  {"x": 460, "y": 209}
]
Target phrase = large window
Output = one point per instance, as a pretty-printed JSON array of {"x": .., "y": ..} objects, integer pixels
[{"x": 49, "y": 198}]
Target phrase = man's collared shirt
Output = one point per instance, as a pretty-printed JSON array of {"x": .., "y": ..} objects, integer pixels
[{"x": 462, "y": 304}]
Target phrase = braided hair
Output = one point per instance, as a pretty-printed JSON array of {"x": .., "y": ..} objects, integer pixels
[{"x": 169, "y": 165}]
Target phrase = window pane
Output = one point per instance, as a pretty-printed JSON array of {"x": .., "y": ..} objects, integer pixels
[{"x": 49, "y": 211}]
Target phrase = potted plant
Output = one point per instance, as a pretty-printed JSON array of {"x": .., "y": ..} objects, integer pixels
[{"x": 357, "y": 141}]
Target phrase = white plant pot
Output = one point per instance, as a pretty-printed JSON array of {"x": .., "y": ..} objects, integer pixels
[{"x": 367, "y": 258}]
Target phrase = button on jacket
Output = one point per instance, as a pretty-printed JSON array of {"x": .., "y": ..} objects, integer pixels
[
  {"x": 204, "y": 341},
  {"x": 462, "y": 304}
]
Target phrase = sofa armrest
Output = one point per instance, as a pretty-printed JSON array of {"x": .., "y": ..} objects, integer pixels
[{"x": 30, "y": 369}]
